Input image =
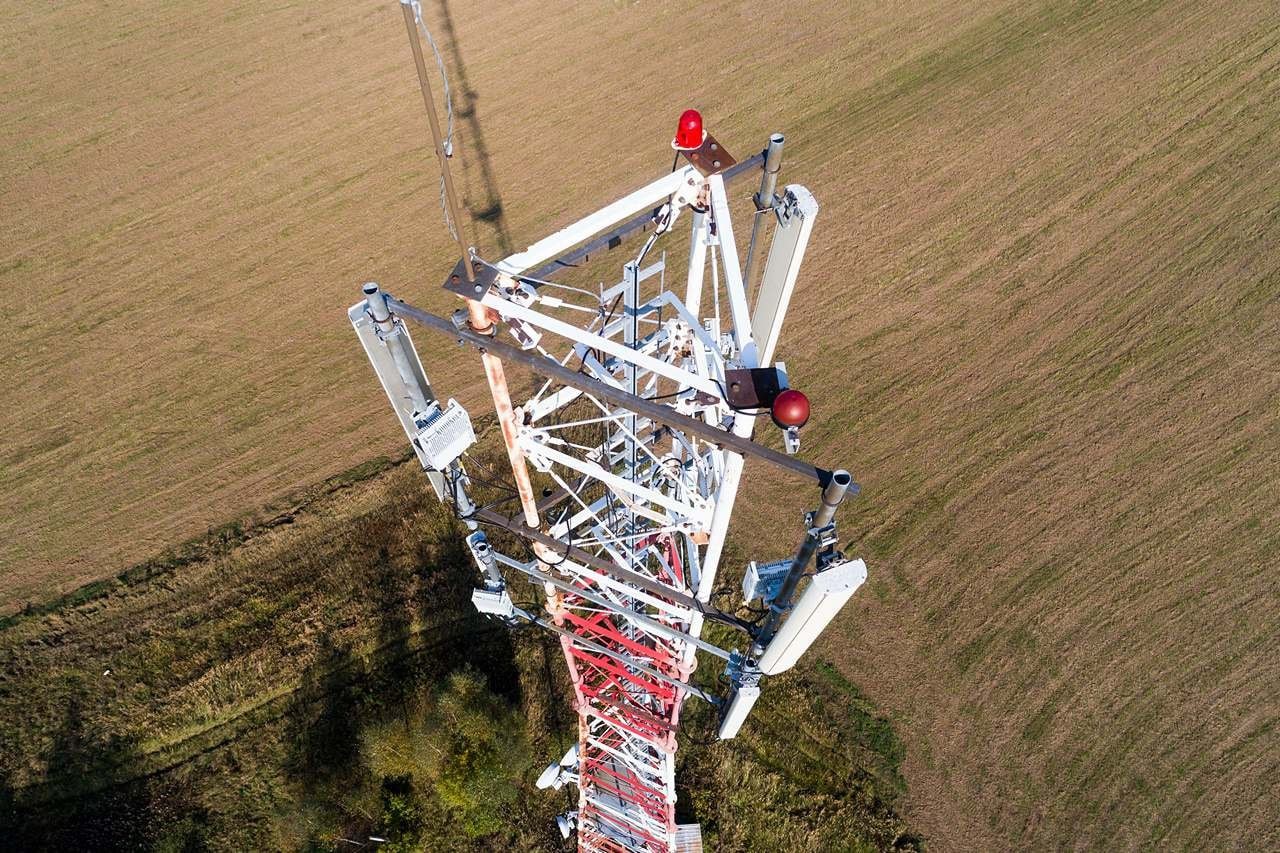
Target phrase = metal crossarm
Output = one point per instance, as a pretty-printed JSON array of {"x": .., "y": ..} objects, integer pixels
[{"x": 552, "y": 369}]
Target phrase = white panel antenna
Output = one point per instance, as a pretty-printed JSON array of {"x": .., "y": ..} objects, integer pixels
[{"x": 818, "y": 605}]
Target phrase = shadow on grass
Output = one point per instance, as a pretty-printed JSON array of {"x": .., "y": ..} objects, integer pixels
[
  {"x": 324, "y": 718},
  {"x": 99, "y": 792},
  {"x": 97, "y": 795},
  {"x": 424, "y": 628}
]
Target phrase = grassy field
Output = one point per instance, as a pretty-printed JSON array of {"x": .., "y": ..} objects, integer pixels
[
  {"x": 1039, "y": 322},
  {"x": 283, "y": 684}
]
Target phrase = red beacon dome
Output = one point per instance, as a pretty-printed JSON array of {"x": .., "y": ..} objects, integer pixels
[
  {"x": 790, "y": 409},
  {"x": 688, "y": 132}
]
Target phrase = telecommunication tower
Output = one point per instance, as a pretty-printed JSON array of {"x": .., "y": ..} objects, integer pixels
[{"x": 641, "y": 428}]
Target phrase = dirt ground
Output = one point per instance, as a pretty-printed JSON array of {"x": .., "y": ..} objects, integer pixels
[{"x": 1039, "y": 323}]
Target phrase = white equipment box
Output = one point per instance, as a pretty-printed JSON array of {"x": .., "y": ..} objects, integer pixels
[
  {"x": 764, "y": 580},
  {"x": 445, "y": 436}
]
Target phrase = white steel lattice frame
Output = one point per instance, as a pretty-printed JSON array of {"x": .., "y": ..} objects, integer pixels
[
  {"x": 650, "y": 499},
  {"x": 635, "y": 429},
  {"x": 635, "y": 432}
]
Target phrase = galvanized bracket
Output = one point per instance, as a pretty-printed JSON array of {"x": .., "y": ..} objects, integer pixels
[{"x": 456, "y": 282}]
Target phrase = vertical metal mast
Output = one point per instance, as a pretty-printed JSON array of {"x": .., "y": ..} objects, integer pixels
[
  {"x": 411, "y": 12},
  {"x": 640, "y": 433}
]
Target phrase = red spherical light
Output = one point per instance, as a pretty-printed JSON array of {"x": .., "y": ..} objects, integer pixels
[
  {"x": 688, "y": 131},
  {"x": 790, "y": 409}
]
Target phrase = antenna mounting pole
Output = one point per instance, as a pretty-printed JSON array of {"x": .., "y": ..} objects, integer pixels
[{"x": 429, "y": 102}]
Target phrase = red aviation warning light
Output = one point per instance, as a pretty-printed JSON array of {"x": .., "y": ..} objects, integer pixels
[
  {"x": 689, "y": 133},
  {"x": 790, "y": 409}
]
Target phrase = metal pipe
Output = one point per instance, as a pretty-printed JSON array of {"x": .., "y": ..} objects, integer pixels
[
  {"x": 497, "y": 379},
  {"x": 466, "y": 507},
  {"x": 376, "y": 300},
  {"x": 772, "y": 165},
  {"x": 764, "y": 202},
  {"x": 396, "y": 344},
  {"x": 510, "y": 431},
  {"x": 429, "y": 102},
  {"x": 479, "y": 317},
  {"x": 832, "y": 494}
]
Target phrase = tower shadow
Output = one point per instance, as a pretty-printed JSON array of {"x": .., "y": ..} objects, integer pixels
[
  {"x": 325, "y": 719},
  {"x": 98, "y": 794},
  {"x": 485, "y": 201}
]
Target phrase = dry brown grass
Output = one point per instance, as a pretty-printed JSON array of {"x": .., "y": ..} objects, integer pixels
[{"x": 1045, "y": 284}]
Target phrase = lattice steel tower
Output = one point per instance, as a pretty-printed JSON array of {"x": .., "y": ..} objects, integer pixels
[{"x": 640, "y": 430}]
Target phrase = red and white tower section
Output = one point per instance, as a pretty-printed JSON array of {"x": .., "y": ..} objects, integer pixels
[{"x": 651, "y": 390}]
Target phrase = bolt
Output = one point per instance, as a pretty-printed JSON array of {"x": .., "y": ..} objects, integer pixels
[
  {"x": 715, "y": 147},
  {"x": 479, "y": 289},
  {"x": 715, "y": 163},
  {"x": 455, "y": 278}
]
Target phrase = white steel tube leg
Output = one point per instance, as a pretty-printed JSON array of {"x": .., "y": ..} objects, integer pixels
[
  {"x": 733, "y": 465},
  {"x": 630, "y": 333},
  {"x": 732, "y": 274},
  {"x": 697, "y": 264},
  {"x": 587, "y": 227}
]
